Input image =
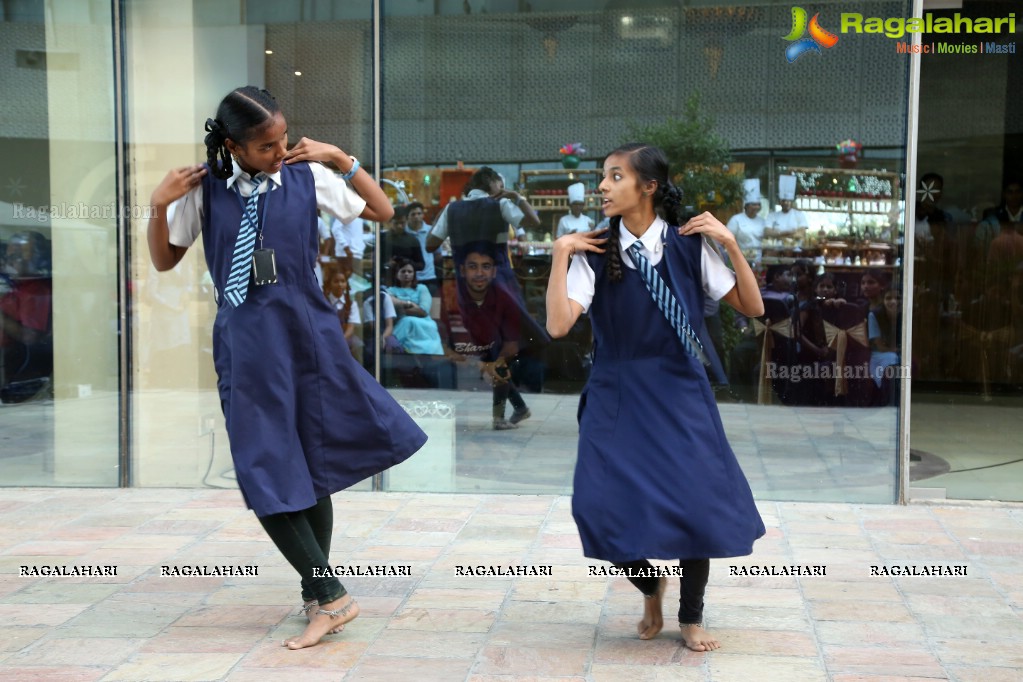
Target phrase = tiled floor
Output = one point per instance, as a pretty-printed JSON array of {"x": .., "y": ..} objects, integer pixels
[
  {"x": 846, "y": 626},
  {"x": 806, "y": 454}
]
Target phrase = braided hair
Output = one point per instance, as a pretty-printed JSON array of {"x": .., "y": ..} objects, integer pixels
[
  {"x": 243, "y": 111},
  {"x": 650, "y": 165}
]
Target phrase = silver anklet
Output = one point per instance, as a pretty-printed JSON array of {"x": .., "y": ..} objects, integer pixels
[{"x": 336, "y": 613}]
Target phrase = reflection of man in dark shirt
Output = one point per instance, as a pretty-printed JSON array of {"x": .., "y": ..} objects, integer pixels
[
  {"x": 491, "y": 317},
  {"x": 396, "y": 243}
]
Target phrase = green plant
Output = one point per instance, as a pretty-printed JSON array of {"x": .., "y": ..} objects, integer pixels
[{"x": 699, "y": 157}]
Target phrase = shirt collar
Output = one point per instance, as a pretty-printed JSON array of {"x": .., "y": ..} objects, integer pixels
[
  {"x": 275, "y": 178},
  {"x": 476, "y": 194},
  {"x": 651, "y": 238}
]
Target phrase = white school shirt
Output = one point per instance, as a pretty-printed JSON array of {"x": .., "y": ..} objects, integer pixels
[
  {"x": 353, "y": 312},
  {"x": 569, "y": 224},
  {"x": 333, "y": 195},
  {"x": 787, "y": 222},
  {"x": 717, "y": 278},
  {"x": 749, "y": 232},
  {"x": 511, "y": 213},
  {"x": 350, "y": 234}
]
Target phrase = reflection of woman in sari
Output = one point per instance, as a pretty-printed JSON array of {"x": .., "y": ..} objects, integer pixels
[{"x": 415, "y": 330}]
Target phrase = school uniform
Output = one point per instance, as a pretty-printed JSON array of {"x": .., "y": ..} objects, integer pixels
[
  {"x": 304, "y": 419},
  {"x": 655, "y": 477}
]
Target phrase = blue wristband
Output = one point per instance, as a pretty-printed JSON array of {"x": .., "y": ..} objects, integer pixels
[{"x": 354, "y": 169}]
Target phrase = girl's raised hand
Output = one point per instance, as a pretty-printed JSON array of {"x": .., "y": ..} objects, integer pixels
[
  {"x": 311, "y": 150},
  {"x": 709, "y": 225},
  {"x": 581, "y": 241},
  {"x": 177, "y": 183}
]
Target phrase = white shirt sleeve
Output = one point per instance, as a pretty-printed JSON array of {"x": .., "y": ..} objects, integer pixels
[
  {"x": 581, "y": 281},
  {"x": 184, "y": 218},
  {"x": 334, "y": 196},
  {"x": 387, "y": 308},
  {"x": 440, "y": 228},
  {"x": 323, "y": 228},
  {"x": 512, "y": 214},
  {"x": 337, "y": 231},
  {"x": 718, "y": 278},
  {"x": 353, "y": 315}
]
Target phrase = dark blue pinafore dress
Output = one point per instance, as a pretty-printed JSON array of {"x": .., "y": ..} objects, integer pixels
[
  {"x": 655, "y": 477},
  {"x": 304, "y": 419}
]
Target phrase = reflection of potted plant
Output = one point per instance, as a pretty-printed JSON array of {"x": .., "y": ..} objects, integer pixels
[
  {"x": 701, "y": 165},
  {"x": 699, "y": 159},
  {"x": 570, "y": 154}
]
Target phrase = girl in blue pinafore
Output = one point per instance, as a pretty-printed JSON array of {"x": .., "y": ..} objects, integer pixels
[
  {"x": 655, "y": 476},
  {"x": 303, "y": 418}
]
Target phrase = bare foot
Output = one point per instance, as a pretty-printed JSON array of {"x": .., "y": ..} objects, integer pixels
[
  {"x": 698, "y": 639},
  {"x": 310, "y": 607},
  {"x": 344, "y": 610},
  {"x": 652, "y": 621}
]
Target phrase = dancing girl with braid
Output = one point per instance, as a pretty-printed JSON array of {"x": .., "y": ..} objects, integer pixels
[
  {"x": 304, "y": 419},
  {"x": 655, "y": 477}
]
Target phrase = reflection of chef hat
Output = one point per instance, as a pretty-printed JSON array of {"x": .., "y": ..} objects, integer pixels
[
  {"x": 577, "y": 193},
  {"x": 751, "y": 191},
  {"x": 786, "y": 187}
]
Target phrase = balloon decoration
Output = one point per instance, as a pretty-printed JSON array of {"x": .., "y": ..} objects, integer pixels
[{"x": 849, "y": 152}]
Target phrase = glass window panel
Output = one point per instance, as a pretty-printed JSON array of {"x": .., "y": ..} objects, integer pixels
[
  {"x": 319, "y": 68},
  {"x": 58, "y": 247},
  {"x": 508, "y": 84},
  {"x": 967, "y": 279}
]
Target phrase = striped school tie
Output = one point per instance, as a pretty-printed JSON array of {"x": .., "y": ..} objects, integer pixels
[
  {"x": 237, "y": 286},
  {"x": 667, "y": 302}
]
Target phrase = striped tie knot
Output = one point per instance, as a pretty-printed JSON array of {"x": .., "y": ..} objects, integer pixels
[{"x": 667, "y": 303}]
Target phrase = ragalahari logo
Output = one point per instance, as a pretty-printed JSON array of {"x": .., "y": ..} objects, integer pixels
[{"x": 818, "y": 36}]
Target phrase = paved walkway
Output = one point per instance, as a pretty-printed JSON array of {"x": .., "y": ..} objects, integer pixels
[{"x": 846, "y": 625}]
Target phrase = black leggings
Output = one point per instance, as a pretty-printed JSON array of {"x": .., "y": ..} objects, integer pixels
[
  {"x": 304, "y": 539},
  {"x": 695, "y": 574}
]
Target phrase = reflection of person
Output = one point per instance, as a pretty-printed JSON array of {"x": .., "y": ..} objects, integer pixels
[
  {"x": 653, "y": 479},
  {"x": 420, "y": 229},
  {"x": 397, "y": 244},
  {"x": 575, "y": 221},
  {"x": 1009, "y": 212},
  {"x": 349, "y": 244},
  {"x": 25, "y": 305},
  {"x": 339, "y": 295},
  {"x": 416, "y": 331},
  {"x": 387, "y": 340},
  {"x": 483, "y": 215},
  {"x": 748, "y": 226},
  {"x": 932, "y": 220},
  {"x": 883, "y": 327},
  {"x": 788, "y": 219},
  {"x": 295, "y": 401},
  {"x": 872, "y": 287},
  {"x": 491, "y": 317}
]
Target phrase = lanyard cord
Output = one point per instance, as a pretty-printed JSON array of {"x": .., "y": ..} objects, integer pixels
[{"x": 260, "y": 220}]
